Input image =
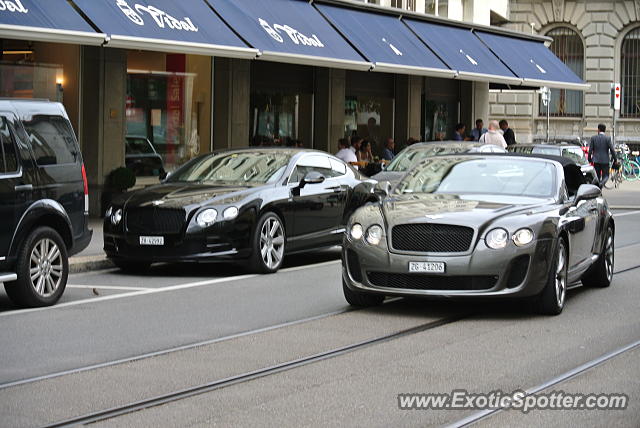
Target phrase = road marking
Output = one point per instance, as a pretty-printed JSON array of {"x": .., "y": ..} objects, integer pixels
[
  {"x": 109, "y": 287},
  {"x": 483, "y": 414},
  {"x": 626, "y": 214},
  {"x": 161, "y": 290}
]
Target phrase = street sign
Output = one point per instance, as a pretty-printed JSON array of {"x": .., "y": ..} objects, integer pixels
[{"x": 616, "y": 96}]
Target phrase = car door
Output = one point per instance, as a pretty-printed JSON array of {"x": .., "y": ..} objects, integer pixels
[
  {"x": 317, "y": 207},
  {"x": 16, "y": 193}
]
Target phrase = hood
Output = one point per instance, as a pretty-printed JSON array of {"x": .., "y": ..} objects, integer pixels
[
  {"x": 181, "y": 195},
  {"x": 466, "y": 210},
  {"x": 391, "y": 176}
]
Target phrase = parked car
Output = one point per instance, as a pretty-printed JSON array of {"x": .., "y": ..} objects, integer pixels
[
  {"x": 254, "y": 205},
  {"x": 415, "y": 153},
  {"x": 44, "y": 200},
  {"x": 567, "y": 150},
  {"x": 141, "y": 157},
  {"x": 481, "y": 226}
]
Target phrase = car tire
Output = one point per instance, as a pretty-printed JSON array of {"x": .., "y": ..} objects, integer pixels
[
  {"x": 268, "y": 244},
  {"x": 42, "y": 267},
  {"x": 355, "y": 298},
  {"x": 600, "y": 274},
  {"x": 554, "y": 295},
  {"x": 132, "y": 267}
]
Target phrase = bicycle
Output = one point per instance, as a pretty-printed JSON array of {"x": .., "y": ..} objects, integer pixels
[
  {"x": 615, "y": 177},
  {"x": 629, "y": 168}
]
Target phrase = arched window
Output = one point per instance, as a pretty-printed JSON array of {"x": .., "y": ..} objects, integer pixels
[
  {"x": 630, "y": 67},
  {"x": 566, "y": 45}
]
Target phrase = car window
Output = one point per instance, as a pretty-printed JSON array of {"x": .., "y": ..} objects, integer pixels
[
  {"x": 318, "y": 163},
  {"x": 575, "y": 154},
  {"x": 52, "y": 140},
  {"x": 7, "y": 149},
  {"x": 521, "y": 149},
  {"x": 338, "y": 168},
  {"x": 555, "y": 151}
]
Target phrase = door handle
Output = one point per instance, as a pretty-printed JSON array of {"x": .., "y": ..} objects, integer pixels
[{"x": 23, "y": 188}]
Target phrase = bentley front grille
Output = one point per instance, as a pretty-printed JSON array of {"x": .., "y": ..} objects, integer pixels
[{"x": 431, "y": 238}]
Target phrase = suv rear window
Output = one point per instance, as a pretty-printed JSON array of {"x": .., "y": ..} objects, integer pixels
[
  {"x": 8, "y": 155},
  {"x": 52, "y": 140}
]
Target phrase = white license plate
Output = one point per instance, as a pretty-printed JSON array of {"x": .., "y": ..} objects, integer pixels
[
  {"x": 152, "y": 240},
  {"x": 430, "y": 267}
]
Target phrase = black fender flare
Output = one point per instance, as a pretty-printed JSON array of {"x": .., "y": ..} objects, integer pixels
[{"x": 44, "y": 212}]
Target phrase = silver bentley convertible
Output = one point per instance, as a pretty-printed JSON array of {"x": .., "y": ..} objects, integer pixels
[{"x": 490, "y": 226}]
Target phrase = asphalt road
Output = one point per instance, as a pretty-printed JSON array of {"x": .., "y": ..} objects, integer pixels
[{"x": 115, "y": 339}]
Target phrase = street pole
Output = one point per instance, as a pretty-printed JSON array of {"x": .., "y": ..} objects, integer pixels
[{"x": 546, "y": 101}]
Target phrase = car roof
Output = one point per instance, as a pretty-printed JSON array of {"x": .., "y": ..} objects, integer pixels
[
  {"x": 425, "y": 144},
  {"x": 563, "y": 144}
]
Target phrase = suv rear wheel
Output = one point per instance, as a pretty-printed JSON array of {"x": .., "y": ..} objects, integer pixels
[{"x": 42, "y": 268}]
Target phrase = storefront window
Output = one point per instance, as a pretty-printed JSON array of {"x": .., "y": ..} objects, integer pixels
[
  {"x": 168, "y": 104},
  {"x": 41, "y": 70},
  {"x": 276, "y": 118},
  {"x": 440, "y": 109},
  {"x": 371, "y": 118}
]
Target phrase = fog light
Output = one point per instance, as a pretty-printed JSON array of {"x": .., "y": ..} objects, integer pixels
[
  {"x": 497, "y": 239},
  {"x": 374, "y": 234},
  {"x": 230, "y": 213},
  {"x": 116, "y": 217},
  {"x": 207, "y": 217},
  {"x": 523, "y": 237},
  {"x": 356, "y": 231}
]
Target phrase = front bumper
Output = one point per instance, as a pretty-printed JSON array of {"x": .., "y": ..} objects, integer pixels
[
  {"x": 216, "y": 244},
  {"x": 510, "y": 272}
]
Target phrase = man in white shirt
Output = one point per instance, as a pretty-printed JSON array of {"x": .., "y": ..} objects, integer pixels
[
  {"x": 345, "y": 153},
  {"x": 493, "y": 135}
]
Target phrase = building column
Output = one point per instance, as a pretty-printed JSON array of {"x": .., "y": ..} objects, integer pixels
[
  {"x": 480, "y": 102},
  {"x": 408, "y": 107},
  {"x": 103, "y": 93},
  {"x": 232, "y": 97},
  {"x": 330, "y": 87}
]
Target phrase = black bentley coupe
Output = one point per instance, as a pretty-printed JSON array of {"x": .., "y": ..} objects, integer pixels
[
  {"x": 254, "y": 204},
  {"x": 481, "y": 226}
]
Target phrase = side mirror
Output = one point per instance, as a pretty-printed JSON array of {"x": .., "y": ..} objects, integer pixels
[
  {"x": 382, "y": 189},
  {"x": 587, "y": 192},
  {"x": 312, "y": 177}
]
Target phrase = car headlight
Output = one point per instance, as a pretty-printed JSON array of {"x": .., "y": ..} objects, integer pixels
[
  {"x": 109, "y": 212},
  {"x": 374, "y": 234},
  {"x": 356, "y": 231},
  {"x": 116, "y": 217},
  {"x": 230, "y": 213},
  {"x": 523, "y": 237},
  {"x": 497, "y": 239},
  {"x": 207, "y": 217}
]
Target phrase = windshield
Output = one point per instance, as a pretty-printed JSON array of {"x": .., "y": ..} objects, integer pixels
[
  {"x": 407, "y": 158},
  {"x": 575, "y": 154},
  {"x": 234, "y": 168},
  {"x": 502, "y": 176},
  {"x": 138, "y": 146}
]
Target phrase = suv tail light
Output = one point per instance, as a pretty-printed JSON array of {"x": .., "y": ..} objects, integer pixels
[{"x": 86, "y": 190}]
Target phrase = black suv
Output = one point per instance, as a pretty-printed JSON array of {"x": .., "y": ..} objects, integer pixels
[{"x": 44, "y": 200}]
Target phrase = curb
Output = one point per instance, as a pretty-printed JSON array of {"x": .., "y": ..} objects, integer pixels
[{"x": 89, "y": 263}]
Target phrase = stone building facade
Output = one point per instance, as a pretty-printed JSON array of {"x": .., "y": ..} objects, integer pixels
[{"x": 598, "y": 30}]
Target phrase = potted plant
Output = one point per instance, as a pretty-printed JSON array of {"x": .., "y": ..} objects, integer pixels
[{"x": 117, "y": 182}]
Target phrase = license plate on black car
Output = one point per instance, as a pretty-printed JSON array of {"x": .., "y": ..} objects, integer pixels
[
  {"x": 427, "y": 267},
  {"x": 152, "y": 240}
]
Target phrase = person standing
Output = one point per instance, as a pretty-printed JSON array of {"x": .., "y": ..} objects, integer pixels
[
  {"x": 507, "y": 133},
  {"x": 478, "y": 131},
  {"x": 345, "y": 153},
  {"x": 599, "y": 149},
  {"x": 493, "y": 136},
  {"x": 458, "y": 135},
  {"x": 388, "y": 152}
]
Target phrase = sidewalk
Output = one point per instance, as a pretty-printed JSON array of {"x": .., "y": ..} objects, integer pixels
[{"x": 627, "y": 196}]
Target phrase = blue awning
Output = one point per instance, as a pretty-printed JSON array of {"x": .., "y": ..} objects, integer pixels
[
  {"x": 48, "y": 21},
  {"x": 289, "y": 31},
  {"x": 532, "y": 61},
  {"x": 385, "y": 41},
  {"x": 185, "y": 26},
  {"x": 461, "y": 50}
]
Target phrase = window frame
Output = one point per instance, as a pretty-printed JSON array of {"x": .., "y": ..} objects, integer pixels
[
  {"x": 624, "y": 107},
  {"x": 18, "y": 171}
]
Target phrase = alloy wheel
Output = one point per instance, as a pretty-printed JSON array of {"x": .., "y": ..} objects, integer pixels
[
  {"x": 45, "y": 267},
  {"x": 272, "y": 243},
  {"x": 609, "y": 256},
  {"x": 561, "y": 276}
]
